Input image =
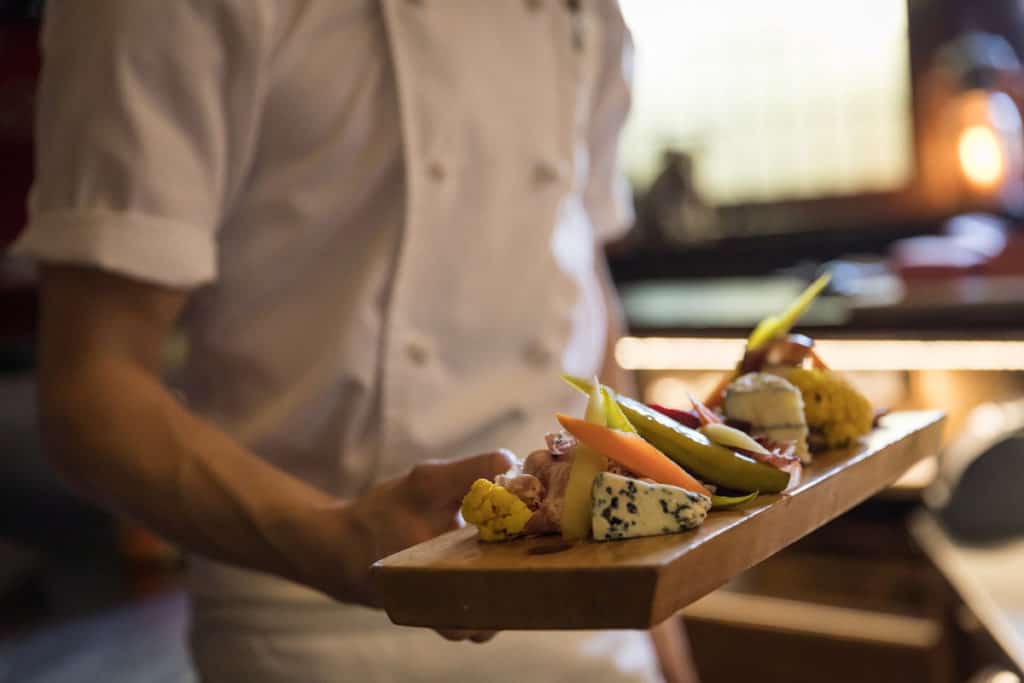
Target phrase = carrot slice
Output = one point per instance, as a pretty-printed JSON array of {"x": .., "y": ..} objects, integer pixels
[
  {"x": 716, "y": 395},
  {"x": 632, "y": 452},
  {"x": 707, "y": 417}
]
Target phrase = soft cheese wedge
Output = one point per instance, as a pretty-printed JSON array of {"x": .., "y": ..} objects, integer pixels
[
  {"x": 772, "y": 406},
  {"x": 630, "y": 508}
]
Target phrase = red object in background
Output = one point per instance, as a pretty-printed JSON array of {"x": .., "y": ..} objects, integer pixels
[
  {"x": 19, "y": 72},
  {"x": 1010, "y": 261}
]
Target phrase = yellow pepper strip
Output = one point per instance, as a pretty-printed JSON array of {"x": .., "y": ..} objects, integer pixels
[
  {"x": 768, "y": 329},
  {"x": 616, "y": 419},
  {"x": 578, "y": 506},
  {"x": 774, "y": 327}
]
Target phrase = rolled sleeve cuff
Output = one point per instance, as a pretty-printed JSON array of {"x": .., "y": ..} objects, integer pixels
[{"x": 143, "y": 247}]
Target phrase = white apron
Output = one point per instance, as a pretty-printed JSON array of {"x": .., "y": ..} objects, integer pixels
[{"x": 304, "y": 637}]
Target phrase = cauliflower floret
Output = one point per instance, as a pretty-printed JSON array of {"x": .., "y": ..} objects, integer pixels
[
  {"x": 496, "y": 513},
  {"x": 840, "y": 413}
]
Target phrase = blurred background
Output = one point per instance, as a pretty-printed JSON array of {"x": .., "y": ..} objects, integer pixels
[{"x": 880, "y": 140}]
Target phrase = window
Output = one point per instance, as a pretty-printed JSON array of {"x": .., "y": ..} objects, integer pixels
[{"x": 775, "y": 101}]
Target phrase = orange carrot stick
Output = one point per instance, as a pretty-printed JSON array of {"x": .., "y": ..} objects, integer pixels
[
  {"x": 714, "y": 398},
  {"x": 632, "y": 452}
]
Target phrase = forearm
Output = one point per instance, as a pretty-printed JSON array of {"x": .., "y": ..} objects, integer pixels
[{"x": 117, "y": 434}]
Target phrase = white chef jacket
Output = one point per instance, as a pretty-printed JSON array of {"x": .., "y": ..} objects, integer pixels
[{"x": 386, "y": 211}]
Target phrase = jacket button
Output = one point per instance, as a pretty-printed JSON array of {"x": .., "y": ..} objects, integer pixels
[
  {"x": 436, "y": 171},
  {"x": 537, "y": 353},
  {"x": 417, "y": 353},
  {"x": 545, "y": 172}
]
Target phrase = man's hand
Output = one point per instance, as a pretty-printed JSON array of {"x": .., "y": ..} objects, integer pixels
[
  {"x": 410, "y": 509},
  {"x": 402, "y": 512}
]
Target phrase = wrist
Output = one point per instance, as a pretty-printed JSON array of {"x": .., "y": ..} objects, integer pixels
[{"x": 333, "y": 557}]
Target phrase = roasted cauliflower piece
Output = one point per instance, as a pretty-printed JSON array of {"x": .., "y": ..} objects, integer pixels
[
  {"x": 834, "y": 409},
  {"x": 497, "y": 513}
]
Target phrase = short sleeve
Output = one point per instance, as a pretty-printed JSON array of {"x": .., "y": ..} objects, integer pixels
[
  {"x": 143, "y": 115},
  {"x": 607, "y": 196}
]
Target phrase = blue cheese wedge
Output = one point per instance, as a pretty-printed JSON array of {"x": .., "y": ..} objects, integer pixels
[{"x": 629, "y": 508}]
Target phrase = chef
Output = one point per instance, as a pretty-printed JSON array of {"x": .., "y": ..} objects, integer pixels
[{"x": 379, "y": 224}]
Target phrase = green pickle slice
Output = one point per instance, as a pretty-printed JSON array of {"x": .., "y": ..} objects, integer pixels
[{"x": 694, "y": 451}]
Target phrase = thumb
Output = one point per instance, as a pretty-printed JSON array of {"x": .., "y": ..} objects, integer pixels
[{"x": 447, "y": 482}]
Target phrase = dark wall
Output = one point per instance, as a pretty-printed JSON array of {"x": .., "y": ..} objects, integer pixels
[{"x": 19, "y": 68}]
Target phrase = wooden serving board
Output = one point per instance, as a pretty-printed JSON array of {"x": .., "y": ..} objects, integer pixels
[{"x": 455, "y": 581}]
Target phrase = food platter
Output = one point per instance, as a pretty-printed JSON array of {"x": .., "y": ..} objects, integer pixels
[{"x": 455, "y": 581}]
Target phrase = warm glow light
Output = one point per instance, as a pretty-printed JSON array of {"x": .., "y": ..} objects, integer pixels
[
  {"x": 663, "y": 353},
  {"x": 981, "y": 156},
  {"x": 1005, "y": 677}
]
